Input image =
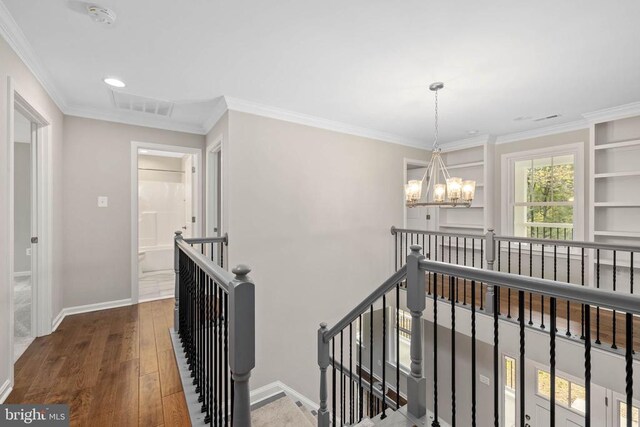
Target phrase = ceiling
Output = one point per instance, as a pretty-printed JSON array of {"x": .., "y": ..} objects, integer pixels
[{"x": 362, "y": 63}]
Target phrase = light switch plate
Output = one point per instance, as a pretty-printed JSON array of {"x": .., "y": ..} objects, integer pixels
[{"x": 103, "y": 201}]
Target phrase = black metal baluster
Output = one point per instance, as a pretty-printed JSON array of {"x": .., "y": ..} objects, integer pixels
[
  {"x": 350, "y": 373},
  {"x": 360, "y": 396},
  {"x": 552, "y": 359},
  {"x": 496, "y": 360},
  {"x": 542, "y": 296},
  {"x": 371, "y": 362},
  {"x": 226, "y": 359},
  {"x": 628, "y": 357},
  {"x": 473, "y": 354},
  {"x": 481, "y": 266},
  {"x": 582, "y": 308},
  {"x": 384, "y": 356},
  {"x": 221, "y": 417},
  {"x": 530, "y": 275},
  {"x": 398, "y": 346},
  {"x": 464, "y": 282},
  {"x": 613, "y": 345},
  {"x": 587, "y": 364},
  {"x": 208, "y": 419},
  {"x": 453, "y": 356},
  {"x": 216, "y": 378},
  {"x": 457, "y": 281},
  {"x": 555, "y": 266},
  {"x": 598, "y": 287},
  {"x": 333, "y": 382},
  {"x": 509, "y": 271},
  {"x": 568, "y": 281},
  {"x": 435, "y": 422},
  {"x": 342, "y": 409},
  {"x": 523, "y": 394}
]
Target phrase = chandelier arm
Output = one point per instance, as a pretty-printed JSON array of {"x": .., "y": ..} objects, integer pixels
[{"x": 445, "y": 171}]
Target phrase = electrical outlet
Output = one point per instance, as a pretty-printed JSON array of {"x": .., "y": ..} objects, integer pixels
[
  {"x": 103, "y": 201},
  {"x": 28, "y": 251},
  {"x": 485, "y": 380}
]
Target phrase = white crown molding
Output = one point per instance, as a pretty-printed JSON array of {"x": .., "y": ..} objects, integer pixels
[
  {"x": 130, "y": 118},
  {"x": 250, "y": 107},
  {"x": 216, "y": 115},
  {"x": 613, "y": 113},
  {"x": 536, "y": 133},
  {"x": 11, "y": 32}
]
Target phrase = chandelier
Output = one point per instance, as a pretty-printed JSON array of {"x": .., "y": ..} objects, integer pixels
[{"x": 448, "y": 192}]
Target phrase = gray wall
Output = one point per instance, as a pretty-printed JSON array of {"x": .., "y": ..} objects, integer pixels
[
  {"x": 97, "y": 252},
  {"x": 309, "y": 210},
  {"x": 22, "y": 207}
]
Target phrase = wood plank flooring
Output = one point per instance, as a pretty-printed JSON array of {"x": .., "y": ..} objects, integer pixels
[{"x": 113, "y": 367}]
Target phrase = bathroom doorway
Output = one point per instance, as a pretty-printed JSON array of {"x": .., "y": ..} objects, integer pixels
[{"x": 166, "y": 200}]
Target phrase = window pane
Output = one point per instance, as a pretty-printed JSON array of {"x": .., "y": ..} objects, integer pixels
[
  {"x": 541, "y": 179},
  {"x": 543, "y": 222},
  {"x": 563, "y": 179},
  {"x": 509, "y": 392},
  {"x": 544, "y": 384},
  {"x": 578, "y": 397},
  {"x": 562, "y": 391},
  {"x": 623, "y": 415}
]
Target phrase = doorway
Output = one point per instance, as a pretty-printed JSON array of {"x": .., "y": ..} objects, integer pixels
[
  {"x": 421, "y": 217},
  {"x": 165, "y": 199}
]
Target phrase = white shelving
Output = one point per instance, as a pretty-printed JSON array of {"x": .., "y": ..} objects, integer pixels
[
  {"x": 629, "y": 234},
  {"x": 616, "y": 174},
  {"x": 472, "y": 162},
  {"x": 617, "y": 205},
  {"x": 621, "y": 144}
]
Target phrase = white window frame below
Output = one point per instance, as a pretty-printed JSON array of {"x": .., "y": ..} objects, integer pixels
[{"x": 508, "y": 191}]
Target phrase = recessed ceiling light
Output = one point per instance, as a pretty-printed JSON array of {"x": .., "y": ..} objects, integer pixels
[
  {"x": 472, "y": 132},
  {"x": 111, "y": 81}
]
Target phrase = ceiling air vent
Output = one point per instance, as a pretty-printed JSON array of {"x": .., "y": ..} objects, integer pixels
[
  {"x": 158, "y": 107},
  {"x": 540, "y": 119}
]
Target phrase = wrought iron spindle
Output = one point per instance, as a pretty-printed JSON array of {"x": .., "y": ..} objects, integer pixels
[
  {"x": 473, "y": 354},
  {"x": 568, "y": 281},
  {"x": 542, "y": 296},
  {"x": 435, "y": 423},
  {"x": 598, "y": 287},
  {"x": 453, "y": 358},
  {"x": 613, "y": 345},
  {"x": 628, "y": 357},
  {"x": 552, "y": 360},
  {"x": 384, "y": 356},
  {"x": 496, "y": 360},
  {"x": 522, "y": 355},
  {"x": 587, "y": 364}
]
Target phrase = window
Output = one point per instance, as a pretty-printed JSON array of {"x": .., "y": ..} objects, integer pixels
[
  {"x": 543, "y": 193},
  {"x": 404, "y": 329},
  {"x": 622, "y": 410},
  {"x": 510, "y": 391},
  {"x": 568, "y": 394}
]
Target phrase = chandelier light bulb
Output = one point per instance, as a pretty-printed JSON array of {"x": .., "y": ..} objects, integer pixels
[
  {"x": 439, "y": 191},
  {"x": 468, "y": 190},
  {"x": 413, "y": 190},
  {"x": 454, "y": 188}
]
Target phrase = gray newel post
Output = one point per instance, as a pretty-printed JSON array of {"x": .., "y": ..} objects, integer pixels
[
  {"x": 176, "y": 268},
  {"x": 323, "y": 363},
  {"x": 242, "y": 342},
  {"x": 416, "y": 296},
  {"x": 490, "y": 255}
]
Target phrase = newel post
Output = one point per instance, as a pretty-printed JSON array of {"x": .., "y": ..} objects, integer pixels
[
  {"x": 242, "y": 342},
  {"x": 176, "y": 269},
  {"x": 323, "y": 363},
  {"x": 416, "y": 296},
  {"x": 490, "y": 255}
]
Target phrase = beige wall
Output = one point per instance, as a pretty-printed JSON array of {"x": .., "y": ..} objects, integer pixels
[
  {"x": 220, "y": 132},
  {"x": 310, "y": 211},
  {"x": 97, "y": 241},
  {"x": 30, "y": 89},
  {"x": 533, "y": 144}
]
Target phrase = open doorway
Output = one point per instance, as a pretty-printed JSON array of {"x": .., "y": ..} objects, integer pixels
[
  {"x": 166, "y": 200},
  {"x": 214, "y": 193},
  {"x": 421, "y": 217}
]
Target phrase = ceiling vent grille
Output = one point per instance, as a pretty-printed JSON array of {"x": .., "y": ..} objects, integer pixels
[
  {"x": 158, "y": 107},
  {"x": 543, "y": 118}
]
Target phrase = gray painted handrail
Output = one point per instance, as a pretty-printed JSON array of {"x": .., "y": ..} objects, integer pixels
[
  {"x": 388, "y": 284},
  {"x": 197, "y": 240},
  {"x": 221, "y": 276},
  {"x": 581, "y": 294},
  {"x": 395, "y": 230},
  {"x": 570, "y": 243}
]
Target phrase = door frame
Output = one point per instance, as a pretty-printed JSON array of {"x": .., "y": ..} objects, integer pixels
[
  {"x": 197, "y": 194},
  {"x": 211, "y": 149},
  {"x": 42, "y": 279}
]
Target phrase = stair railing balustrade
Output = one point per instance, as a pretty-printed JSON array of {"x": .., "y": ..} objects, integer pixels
[{"x": 215, "y": 320}]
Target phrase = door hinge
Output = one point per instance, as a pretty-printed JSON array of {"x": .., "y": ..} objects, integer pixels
[
  {"x": 34, "y": 240},
  {"x": 193, "y": 169},
  {"x": 193, "y": 219}
]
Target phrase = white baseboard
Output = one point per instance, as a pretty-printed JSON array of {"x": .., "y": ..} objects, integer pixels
[
  {"x": 88, "y": 308},
  {"x": 5, "y": 390},
  {"x": 271, "y": 389}
]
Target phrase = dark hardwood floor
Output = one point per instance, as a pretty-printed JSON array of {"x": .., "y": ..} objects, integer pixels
[{"x": 113, "y": 367}]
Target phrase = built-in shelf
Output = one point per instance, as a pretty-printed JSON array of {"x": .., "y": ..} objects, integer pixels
[
  {"x": 467, "y": 226},
  {"x": 465, "y": 165},
  {"x": 620, "y": 144},
  {"x": 616, "y": 174},
  {"x": 617, "y": 204},
  {"x": 628, "y": 234}
]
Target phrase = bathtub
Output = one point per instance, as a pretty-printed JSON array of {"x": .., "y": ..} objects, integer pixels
[{"x": 155, "y": 258}]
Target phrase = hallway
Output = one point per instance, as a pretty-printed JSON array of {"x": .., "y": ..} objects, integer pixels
[{"x": 113, "y": 367}]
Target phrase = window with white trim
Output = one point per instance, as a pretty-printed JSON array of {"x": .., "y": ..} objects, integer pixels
[
  {"x": 622, "y": 414},
  {"x": 569, "y": 394},
  {"x": 544, "y": 193}
]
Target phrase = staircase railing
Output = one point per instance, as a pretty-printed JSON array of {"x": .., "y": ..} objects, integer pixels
[
  {"x": 590, "y": 264},
  {"x": 346, "y": 405},
  {"x": 215, "y": 320}
]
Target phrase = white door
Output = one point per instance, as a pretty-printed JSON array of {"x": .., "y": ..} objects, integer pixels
[{"x": 570, "y": 403}]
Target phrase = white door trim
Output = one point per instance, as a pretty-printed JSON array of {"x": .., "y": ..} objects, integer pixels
[
  {"x": 214, "y": 147},
  {"x": 42, "y": 304},
  {"x": 197, "y": 229}
]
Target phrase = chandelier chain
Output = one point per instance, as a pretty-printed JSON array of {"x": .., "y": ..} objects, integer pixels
[{"x": 435, "y": 141}]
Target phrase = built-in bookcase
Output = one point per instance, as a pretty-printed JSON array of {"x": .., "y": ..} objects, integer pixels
[
  {"x": 469, "y": 163},
  {"x": 615, "y": 184}
]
